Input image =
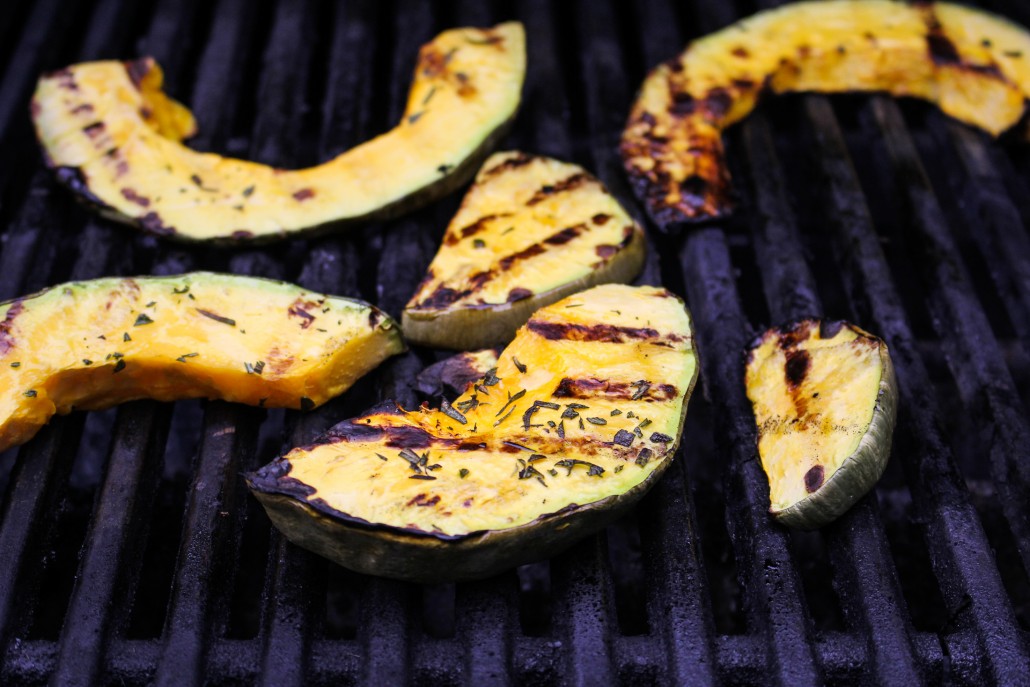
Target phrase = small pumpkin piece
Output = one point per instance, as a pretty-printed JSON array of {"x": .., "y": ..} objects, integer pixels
[
  {"x": 825, "y": 401},
  {"x": 199, "y": 335},
  {"x": 500, "y": 476},
  {"x": 529, "y": 232},
  {"x": 115, "y": 139}
]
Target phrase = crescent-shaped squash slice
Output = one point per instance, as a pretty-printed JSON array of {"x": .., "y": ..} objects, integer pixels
[
  {"x": 581, "y": 416},
  {"x": 825, "y": 400},
  {"x": 530, "y": 231},
  {"x": 115, "y": 139},
  {"x": 975, "y": 66},
  {"x": 93, "y": 344}
]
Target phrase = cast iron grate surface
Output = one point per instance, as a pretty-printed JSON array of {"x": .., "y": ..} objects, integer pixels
[{"x": 131, "y": 553}]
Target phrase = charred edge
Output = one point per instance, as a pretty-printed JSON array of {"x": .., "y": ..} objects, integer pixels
[
  {"x": 814, "y": 478},
  {"x": 518, "y": 294},
  {"x": 604, "y": 333},
  {"x": 454, "y": 374},
  {"x": 520, "y": 160},
  {"x": 571, "y": 183},
  {"x": 6, "y": 338},
  {"x": 153, "y": 223},
  {"x": 830, "y": 328},
  {"x": 138, "y": 69},
  {"x": 241, "y": 235},
  {"x": 603, "y": 388},
  {"x": 790, "y": 335},
  {"x": 796, "y": 369},
  {"x": 75, "y": 180}
]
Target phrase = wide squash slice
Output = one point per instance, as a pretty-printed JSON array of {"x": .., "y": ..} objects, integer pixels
[
  {"x": 114, "y": 138},
  {"x": 93, "y": 344},
  {"x": 530, "y": 231},
  {"x": 580, "y": 418},
  {"x": 825, "y": 400},
  {"x": 975, "y": 66}
]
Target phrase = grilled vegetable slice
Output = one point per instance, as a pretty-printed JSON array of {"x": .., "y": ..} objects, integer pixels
[
  {"x": 93, "y": 344},
  {"x": 581, "y": 416},
  {"x": 530, "y": 231},
  {"x": 114, "y": 138},
  {"x": 975, "y": 66},
  {"x": 825, "y": 400}
]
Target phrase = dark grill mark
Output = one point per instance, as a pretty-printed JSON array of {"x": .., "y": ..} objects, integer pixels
[
  {"x": 442, "y": 297},
  {"x": 422, "y": 500},
  {"x": 133, "y": 197},
  {"x": 569, "y": 184},
  {"x": 476, "y": 227},
  {"x": 814, "y": 478},
  {"x": 796, "y": 368},
  {"x": 94, "y": 130},
  {"x": 564, "y": 236},
  {"x": 299, "y": 309},
  {"x": 524, "y": 254},
  {"x": 6, "y": 339},
  {"x": 602, "y": 388},
  {"x": 605, "y": 333},
  {"x": 514, "y": 162}
]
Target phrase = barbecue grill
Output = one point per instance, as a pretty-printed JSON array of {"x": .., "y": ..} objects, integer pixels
[{"x": 131, "y": 552}]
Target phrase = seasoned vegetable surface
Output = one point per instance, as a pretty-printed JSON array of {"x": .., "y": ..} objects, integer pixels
[
  {"x": 581, "y": 415},
  {"x": 530, "y": 231},
  {"x": 93, "y": 344},
  {"x": 825, "y": 400},
  {"x": 114, "y": 138},
  {"x": 975, "y": 66}
]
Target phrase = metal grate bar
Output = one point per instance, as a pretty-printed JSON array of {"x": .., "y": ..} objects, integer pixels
[
  {"x": 959, "y": 550},
  {"x": 857, "y": 541},
  {"x": 974, "y": 356}
]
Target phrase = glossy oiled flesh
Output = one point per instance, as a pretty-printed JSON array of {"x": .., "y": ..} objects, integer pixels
[
  {"x": 113, "y": 137},
  {"x": 586, "y": 402},
  {"x": 973, "y": 65},
  {"x": 814, "y": 391},
  {"x": 528, "y": 225},
  {"x": 93, "y": 344}
]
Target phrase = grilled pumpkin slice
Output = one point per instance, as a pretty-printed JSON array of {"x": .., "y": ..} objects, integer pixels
[
  {"x": 115, "y": 139},
  {"x": 581, "y": 416},
  {"x": 825, "y": 400},
  {"x": 973, "y": 65},
  {"x": 530, "y": 231},
  {"x": 93, "y": 344}
]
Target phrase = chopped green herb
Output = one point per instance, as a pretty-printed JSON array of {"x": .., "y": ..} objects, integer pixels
[
  {"x": 247, "y": 191},
  {"x": 87, "y": 362},
  {"x": 182, "y": 358},
  {"x": 644, "y": 456},
  {"x": 511, "y": 399},
  {"x": 573, "y": 305},
  {"x": 119, "y": 366},
  {"x": 151, "y": 304},
  {"x": 382, "y": 457},
  {"x": 642, "y": 388},
  {"x": 548, "y": 405},
  {"x": 512, "y": 228},
  {"x": 569, "y": 463},
  {"x": 561, "y": 429},
  {"x": 570, "y": 414},
  {"x": 491, "y": 377},
  {"x": 659, "y": 438},
  {"x": 527, "y": 471},
  {"x": 581, "y": 423},
  {"x": 142, "y": 319},
  {"x": 536, "y": 456},
  {"x": 616, "y": 412},
  {"x": 597, "y": 421},
  {"x": 434, "y": 466},
  {"x": 551, "y": 424},
  {"x": 518, "y": 366},
  {"x": 471, "y": 404},
  {"x": 506, "y": 416},
  {"x": 421, "y": 477},
  {"x": 183, "y": 290},
  {"x": 429, "y": 95},
  {"x": 31, "y": 393},
  {"x": 463, "y": 473},
  {"x": 618, "y": 469},
  {"x": 15, "y": 365},
  {"x": 450, "y": 412},
  {"x": 415, "y": 117},
  {"x": 554, "y": 473},
  {"x": 126, "y": 337},
  {"x": 623, "y": 438},
  {"x": 256, "y": 368},
  {"x": 216, "y": 317},
  {"x": 518, "y": 446},
  {"x": 576, "y": 406},
  {"x": 630, "y": 415}
]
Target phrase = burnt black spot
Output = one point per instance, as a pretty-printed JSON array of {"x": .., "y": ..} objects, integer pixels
[
  {"x": 133, "y": 197},
  {"x": 796, "y": 368},
  {"x": 741, "y": 52},
  {"x": 792, "y": 334},
  {"x": 718, "y": 102},
  {"x": 683, "y": 104},
  {"x": 600, "y": 218},
  {"x": 814, "y": 478},
  {"x": 407, "y": 437},
  {"x": 564, "y": 236},
  {"x": 694, "y": 190},
  {"x": 942, "y": 50},
  {"x": 304, "y": 194},
  {"x": 518, "y": 294}
]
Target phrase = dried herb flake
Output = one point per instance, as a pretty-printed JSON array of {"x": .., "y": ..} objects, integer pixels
[
  {"x": 142, "y": 319},
  {"x": 518, "y": 366}
]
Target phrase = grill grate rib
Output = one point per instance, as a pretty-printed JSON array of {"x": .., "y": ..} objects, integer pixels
[{"x": 649, "y": 601}]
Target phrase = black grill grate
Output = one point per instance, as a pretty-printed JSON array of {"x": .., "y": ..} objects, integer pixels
[{"x": 131, "y": 553}]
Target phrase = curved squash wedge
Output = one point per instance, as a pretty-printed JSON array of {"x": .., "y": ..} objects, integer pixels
[
  {"x": 581, "y": 416},
  {"x": 825, "y": 400},
  {"x": 529, "y": 232},
  {"x": 114, "y": 138},
  {"x": 975, "y": 66},
  {"x": 94, "y": 344}
]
